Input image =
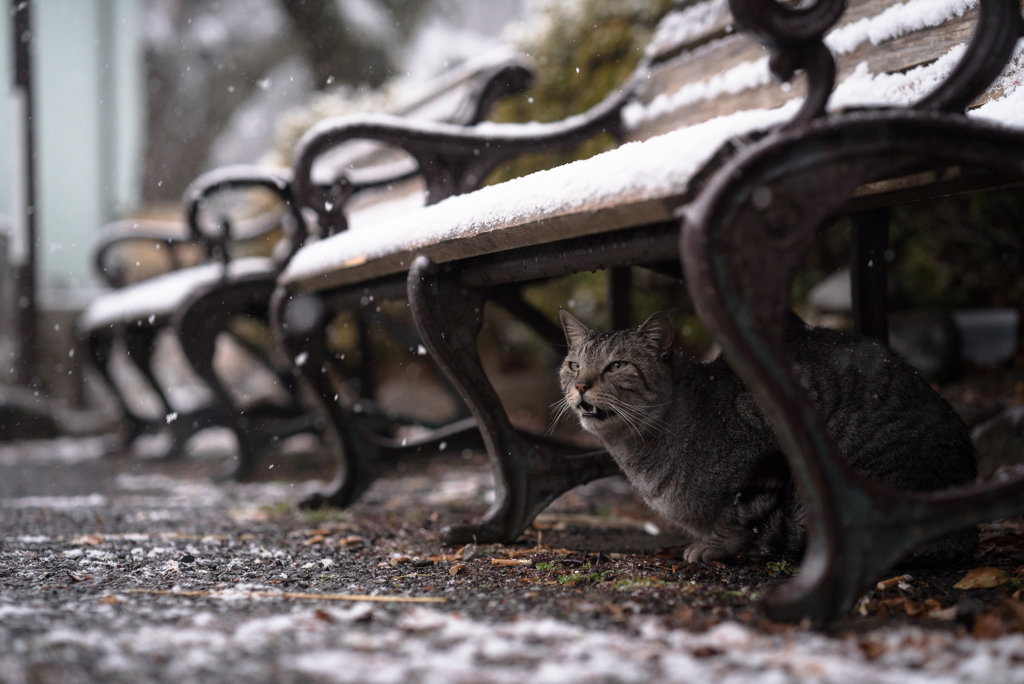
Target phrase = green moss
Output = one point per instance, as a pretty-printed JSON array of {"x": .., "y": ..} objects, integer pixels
[
  {"x": 586, "y": 578},
  {"x": 321, "y": 515},
  {"x": 782, "y": 568},
  {"x": 548, "y": 566},
  {"x": 582, "y": 54}
]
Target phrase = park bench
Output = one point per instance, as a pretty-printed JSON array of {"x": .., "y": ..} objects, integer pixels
[
  {"x": 729, "y": 197},
  {"x": 365, "y": 174},
  {"x": 185, "y": 257}
]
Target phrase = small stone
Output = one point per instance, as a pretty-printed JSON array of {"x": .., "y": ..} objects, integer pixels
[
  {"x": 470, "y": 552},
  {"x": 187, "y": 558}
]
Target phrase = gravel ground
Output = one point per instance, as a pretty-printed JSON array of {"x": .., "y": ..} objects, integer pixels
[{"x": 119, "y": 569}]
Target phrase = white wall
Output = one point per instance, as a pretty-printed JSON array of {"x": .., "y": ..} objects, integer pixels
[{"x": 89, "y": 105}]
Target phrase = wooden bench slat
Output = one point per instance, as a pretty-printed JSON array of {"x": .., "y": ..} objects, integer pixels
[
  {"x": 689, "y": 70},
  {"x": 644, "y": 180}
]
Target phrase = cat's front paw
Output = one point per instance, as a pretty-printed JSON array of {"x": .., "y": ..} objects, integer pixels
[{"x": 704, "y": 551}]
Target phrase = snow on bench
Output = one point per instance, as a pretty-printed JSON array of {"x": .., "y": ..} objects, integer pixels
[
  {"x": 160, "y": 296},
  {"x": 644, "y": 182}
]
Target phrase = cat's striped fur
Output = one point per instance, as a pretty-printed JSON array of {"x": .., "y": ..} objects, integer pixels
[{"x": 695, "y": 444}]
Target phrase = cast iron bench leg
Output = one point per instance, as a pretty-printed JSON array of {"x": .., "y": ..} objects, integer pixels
[
  {"x": 743, "y": 239},
  {"x": 257, "y": 428},
  {"x": 362, "y": 455},
  {"x": 529, "y": 471},
  {"x": 141, "y": 343},
  {"x": 100, "y": 344}
]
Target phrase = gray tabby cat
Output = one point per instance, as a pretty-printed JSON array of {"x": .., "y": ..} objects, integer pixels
[{"x": 695, "y": 444}]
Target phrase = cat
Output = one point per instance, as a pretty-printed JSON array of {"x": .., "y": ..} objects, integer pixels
[{"x": 693, "y": 442}]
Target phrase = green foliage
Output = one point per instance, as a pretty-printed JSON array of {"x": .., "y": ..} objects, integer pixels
[
  {"x": 548, "y": 566},
  {"x": 317, "y": 516},
  {"x": 580, "y": 577},
  {"x": 959, "y": 251},
  {"x": 279, "y": 509},
  {"x": 966, "y": 250},
  {"x": 782, "y": 568},
  {"x": 582, "y": 51}
]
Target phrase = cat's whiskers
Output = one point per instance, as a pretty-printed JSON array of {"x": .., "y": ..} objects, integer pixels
[
  {"x": 641, "y": 415},
  {"x": 563, "y": 407}
]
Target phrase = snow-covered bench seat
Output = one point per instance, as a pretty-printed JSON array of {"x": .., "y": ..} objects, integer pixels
[
  {"x": 703, "y": 111},
  {"x": 158, "y": 298},
  {"x": 891, "y": 57}
]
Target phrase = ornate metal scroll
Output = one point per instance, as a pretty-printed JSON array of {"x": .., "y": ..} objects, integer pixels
[
  {"x": 743, "y": 239},
  {"x": 795, "y": 39}
]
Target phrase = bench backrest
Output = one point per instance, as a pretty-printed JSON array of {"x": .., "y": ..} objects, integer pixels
[
  {"x": 132, "y": 250},
  {"x": 699, "y": 66}
]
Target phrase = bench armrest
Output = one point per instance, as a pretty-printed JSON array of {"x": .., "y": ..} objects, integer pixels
[
  {"x": 277, "y": 180},
  {"x": 168, "y": 234},
  {"x": 452, "y": 159}
]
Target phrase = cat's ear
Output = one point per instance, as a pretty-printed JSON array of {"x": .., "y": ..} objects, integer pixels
[
  {"x": 658, "y": 329},
  {"x": 574, "y": 330}
]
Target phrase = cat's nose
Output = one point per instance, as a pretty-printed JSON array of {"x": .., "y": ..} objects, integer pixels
[{"x": 582, "y": 387}]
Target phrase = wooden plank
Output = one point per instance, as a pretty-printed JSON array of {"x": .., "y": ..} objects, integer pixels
[
  {"x": 898, "y": 55},
  {"x": 636, "y": 213},
  {"x": 701, "y": 64},
  {"x": 498, "y": 238}
]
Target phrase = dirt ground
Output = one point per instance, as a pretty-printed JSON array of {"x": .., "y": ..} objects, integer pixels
[{"x": 120, "y": 569}]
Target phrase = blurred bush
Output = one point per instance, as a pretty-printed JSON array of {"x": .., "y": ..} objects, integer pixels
[
  {"x": 961, "y": 251},
  {"x": 582, "y": 50}
]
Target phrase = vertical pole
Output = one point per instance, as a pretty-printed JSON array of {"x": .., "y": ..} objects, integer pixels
[
  {"x": 106, "y": 49},
  {"x": 619, "y": 308},
  {"x": 869, "y": 241},
  {"x": 23, "y": 239}
]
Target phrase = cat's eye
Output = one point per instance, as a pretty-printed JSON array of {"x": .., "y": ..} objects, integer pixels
[
  {"x": 573, "y": 366},
  {"x": 615, "y": 365}
]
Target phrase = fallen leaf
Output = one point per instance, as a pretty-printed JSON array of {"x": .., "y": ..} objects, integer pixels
[
  {"x": 315, "y": 539},
  {"x": 351, "y": 541},
  {"x": 79, "y": 578},
  {"x": 944, "y": 613},
  {"x": 872, "y": 650},
  {"x": 109, "y": 600},
  {"x": 982, "y": 578},
  {"x": 90, "y": 539},
  {"x": 1017, "y": 608},
  {"x": 892, "y": 581},
  {"x": 989, "y": 626},
  {"x": 902, "y": 603}
]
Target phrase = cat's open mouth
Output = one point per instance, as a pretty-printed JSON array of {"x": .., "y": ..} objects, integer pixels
[{"x": 591, "y": 411}]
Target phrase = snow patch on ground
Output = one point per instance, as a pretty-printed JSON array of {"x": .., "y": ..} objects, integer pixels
[
  {"x": 58, "y": 502},
  {"x": 362, "y": 644}
]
